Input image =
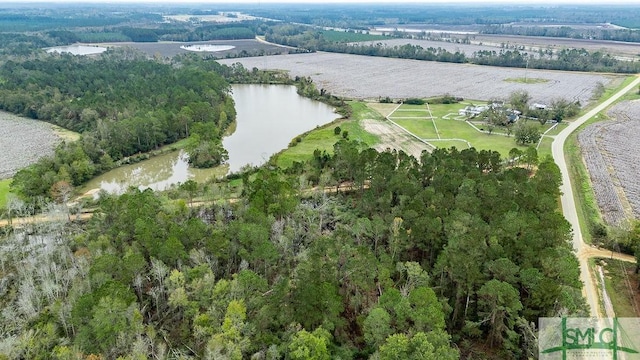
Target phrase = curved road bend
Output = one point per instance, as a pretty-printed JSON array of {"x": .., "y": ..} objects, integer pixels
[{"x": 590, "y": 291}]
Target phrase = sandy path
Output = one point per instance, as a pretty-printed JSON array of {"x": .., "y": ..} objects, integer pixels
[{"x": 391, "y": 137}]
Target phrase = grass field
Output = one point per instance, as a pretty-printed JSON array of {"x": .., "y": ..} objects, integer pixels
[
  {"x": 441, "y": 110},
  {"x": 481, "y": 141},
  {"x": 609, "y": 91},
  {"x": 65, "y": 134},
  {"x": 545, "y": 147},
  {"x": 622, "y": 298},
  {"x": 324, "y": 138},
  {"x": 633, "y": 95},
  {"x": 446, "y": 144},
  {"x": 557, "y": 129},
  {"x": 423, "y": 128},
  {"x": 450, "y": 129},
  {"x": 410, "y": 113},
  {"x": 586, "y": 205},
  {"x": 527, "y": 80},
  {"x": 4, "y": 191}
]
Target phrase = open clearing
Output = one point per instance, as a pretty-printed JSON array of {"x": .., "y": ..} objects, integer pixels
[
  {"x": 612, "y": 154},
  {"x": 23, "y": 142},
  {"x": 392, "y": 137},
  {"x": 364, "y": 77}
]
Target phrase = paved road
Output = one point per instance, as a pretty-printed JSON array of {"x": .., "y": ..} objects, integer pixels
[{"x": 568, "y": 203}]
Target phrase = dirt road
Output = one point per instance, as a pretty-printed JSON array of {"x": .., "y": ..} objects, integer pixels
[
  {"x": 568, "y": 203},
  {"x": 392, "y": 137}
]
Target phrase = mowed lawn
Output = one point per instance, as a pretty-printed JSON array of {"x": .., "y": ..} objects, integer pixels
[
  {"x": 4, "y": 191},
  {"x": 423, "y": 128},
  {"x": 455, "y": 129},
  {"x": 324, "y": 138},
  {"x": 450, "y": 129},
  {"x": 409, "y": 113},
  {"x": 545, "y": 147}
]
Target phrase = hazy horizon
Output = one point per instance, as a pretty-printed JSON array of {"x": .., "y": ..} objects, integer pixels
[{"x": 443, "y": 2}]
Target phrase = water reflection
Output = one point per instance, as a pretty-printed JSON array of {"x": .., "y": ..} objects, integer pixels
[
  {"x": 268, "y": 118},
  {"x": 157, "y": 173}
]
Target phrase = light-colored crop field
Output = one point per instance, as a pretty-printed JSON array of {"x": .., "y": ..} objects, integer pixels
[
  {"x": 23, "y": 142},
  {"x": 365, "y": 77},
  {"x": 612, "y": 154}
]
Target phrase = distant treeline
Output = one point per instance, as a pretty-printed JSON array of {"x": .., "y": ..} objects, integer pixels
[
  {"x": 626, "y": 35},
  {"x": 568, "y": 59},
  {"x": 359, "y": 16},
  {"x": 22, "y": 44},
  {"x": 19, "y": 22},
  {"x": 167, "y": 32}
]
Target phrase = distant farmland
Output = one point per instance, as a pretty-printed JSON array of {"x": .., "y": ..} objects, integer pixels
[
  {"x": 452, "y": 47},
  {"x": 363, "y": 77},
  {"x": 23, "y": 142},
  {"x": 171, "y": 49}
]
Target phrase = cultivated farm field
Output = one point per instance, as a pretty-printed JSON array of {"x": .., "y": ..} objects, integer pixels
[
  {"x": 611, "y": 152},
  {"x": 364, "y": 77},
  {"x": 23, "y": 142}
]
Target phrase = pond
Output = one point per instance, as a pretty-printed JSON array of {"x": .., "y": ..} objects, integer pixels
[
  {"x": 157, "y": 173},
  {"x": 268, "y": 118},
  {"x": 78, "y": 49}
]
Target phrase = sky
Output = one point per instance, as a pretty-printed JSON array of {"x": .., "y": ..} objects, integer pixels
[{"x": 485, "y": 2}]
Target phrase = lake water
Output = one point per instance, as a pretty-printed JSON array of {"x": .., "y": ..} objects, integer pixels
[
  {"x": 268, "y": 118},
  {"x": 78, "y": 49}
]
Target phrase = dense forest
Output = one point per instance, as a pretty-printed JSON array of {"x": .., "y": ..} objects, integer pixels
[
  {"x": 452, "y": 254},
  {"x": 355, "y": 254},
  {"x": 122, "y": 103},
  {"x": 567, "y": 59}
]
